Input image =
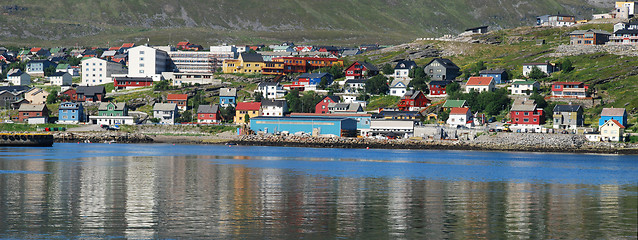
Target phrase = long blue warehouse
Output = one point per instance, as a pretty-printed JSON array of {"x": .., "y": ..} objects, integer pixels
[{"x": 338, "y": 126}]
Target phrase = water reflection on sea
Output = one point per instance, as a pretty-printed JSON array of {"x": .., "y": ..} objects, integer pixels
[{"x": 165, "y": 191}]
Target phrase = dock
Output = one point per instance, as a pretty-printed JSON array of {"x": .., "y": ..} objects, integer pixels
[{"x": 26, "y": 140}]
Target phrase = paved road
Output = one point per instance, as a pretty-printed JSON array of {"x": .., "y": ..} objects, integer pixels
[{"x": 87, "y": 128}]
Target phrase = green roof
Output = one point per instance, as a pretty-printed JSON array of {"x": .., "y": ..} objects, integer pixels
[
  {"x": 62, "y": 66},
  {"x": 454, "y": 103},
  {"x": 24, "y": 52},
  {"x": 55, "y": 50},
  {"x": 524, "y": 82}
]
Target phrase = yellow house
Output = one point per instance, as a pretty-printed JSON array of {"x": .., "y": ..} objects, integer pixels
[
  {"x": 36, "y": 96},
  {"x": 246, "y": 63},
  {"x": 612, "y": 130},
  {"x": 243, "y": 108}
]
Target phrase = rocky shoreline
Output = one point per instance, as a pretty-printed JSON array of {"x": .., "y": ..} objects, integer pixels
[
  {"x": 512, "y": 142},
  {"x": 503, "y": 142}
]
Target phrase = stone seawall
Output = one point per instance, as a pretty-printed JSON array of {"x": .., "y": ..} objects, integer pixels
[
  {"x": 101, "y": 137},
  {"x": 494, "y": 142}
]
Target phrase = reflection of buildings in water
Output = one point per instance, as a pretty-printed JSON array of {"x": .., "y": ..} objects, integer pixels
[
  {"x": 517, "y": 213},
  {"x": 349, "y": 206},
  {"x": 93, "y": 182},
  {"x": 477, "y": 209},
  {"x": 315, "y": 196},
  {"x": 271, "y": 196},
  {"x": 140, "y": 201},
  {"x": 435, "y": 209},
  {"x": 24, "y": 195},
  {"x": 243, "y": 199},
  {"x": 610, "y": 207},
  {"x": 398, "y": 202}
]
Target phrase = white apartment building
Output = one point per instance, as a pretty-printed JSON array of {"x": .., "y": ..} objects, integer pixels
[
  {"x": 97, "y": 71},
  {"x": 147, "y": 62}
]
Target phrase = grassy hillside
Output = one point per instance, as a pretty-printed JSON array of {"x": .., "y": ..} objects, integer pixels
[
  {"x": 96, "y": 22},
  {"x": 615, "y": 77}
]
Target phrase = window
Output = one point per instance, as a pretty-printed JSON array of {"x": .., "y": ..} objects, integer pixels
[{"x": 526, "y": 113}]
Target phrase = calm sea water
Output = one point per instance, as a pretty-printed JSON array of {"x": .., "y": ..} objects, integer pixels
[{"x": 193, "y": 191}]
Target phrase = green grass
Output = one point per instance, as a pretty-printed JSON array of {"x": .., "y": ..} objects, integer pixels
[
  {"x": 382, "y": 102},
  {"x": 23, "y": 127}
]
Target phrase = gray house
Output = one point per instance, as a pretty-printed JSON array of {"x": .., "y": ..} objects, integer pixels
[
  {"x": 165, "y": 112},
  {"x": 568, "y": 116},
  {"x": 440, "y": 69}
]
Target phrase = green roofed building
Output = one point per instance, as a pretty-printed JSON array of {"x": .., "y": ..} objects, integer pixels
[{"x": 449, "y": 104}]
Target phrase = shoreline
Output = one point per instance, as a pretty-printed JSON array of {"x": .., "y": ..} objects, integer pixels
[{"x": 501, "y": 143}]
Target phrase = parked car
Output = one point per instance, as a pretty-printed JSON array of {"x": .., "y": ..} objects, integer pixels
[
  {"x": 491, "y": 130},
  {"x": 491, "y": 120}
]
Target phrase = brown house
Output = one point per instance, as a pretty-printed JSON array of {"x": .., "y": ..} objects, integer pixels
[
  {"x": 27, "y": 111},
  {"x": 589, "y": 37}
]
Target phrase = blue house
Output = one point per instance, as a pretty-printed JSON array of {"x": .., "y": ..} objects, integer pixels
[
  {"x": 314, "y": 78},
  {"x": 227, "y": 97},
  {"x": 618, "y": 114},
  {"x": 70, "y": 112},
  {"x": 37, "y": 67},
  {"x": 337, "y": 126},
  {"x": 500, "y": 75}
]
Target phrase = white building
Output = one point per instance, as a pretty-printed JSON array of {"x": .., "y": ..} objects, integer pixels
[
  {"x": 405, "y": 128},
  {"x": 195, "y": 61},
  {"x": 61, "y": 79},
  {"x": 19, "y": 78},
  {"x": 625, "y": 10},
  {"x": 403, "y": 68},
  {"x": 178, "y": 78},
  {"x": 112, "y": 120},
  {"x": 271, "y": 90},
  {"x": 148, "y": 62},
  {"x": 480, "y": 84},
  {"x": 399, "y": 87},
  {"x": 165, "y": 112},
  {"x": 274, "y": 108},
  {"x": 522, "y": 87},
  {"x": 545, "y": 67},
  {"x": 224, "y": 52},
  {"x": 97, "y": 71},
  {"x": 460, "y": 117}
]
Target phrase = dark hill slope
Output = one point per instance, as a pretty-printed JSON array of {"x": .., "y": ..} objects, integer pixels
[{"x": 205, "y": 21}]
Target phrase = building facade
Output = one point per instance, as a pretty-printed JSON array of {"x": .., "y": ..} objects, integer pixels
[
  {"x": 70, "y": 112},
  {"x": 97, "y": 71}
]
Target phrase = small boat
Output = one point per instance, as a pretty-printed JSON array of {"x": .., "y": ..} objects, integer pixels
[{"x": 231, "y": 144}]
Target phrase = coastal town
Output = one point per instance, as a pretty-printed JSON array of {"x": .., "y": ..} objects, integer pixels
[{"x": 296, "y": 92}]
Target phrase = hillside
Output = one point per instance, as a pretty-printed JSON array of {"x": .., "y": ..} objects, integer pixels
[
  {"x": 614, "y": 75},
  {"x": 93, "y": 22}
]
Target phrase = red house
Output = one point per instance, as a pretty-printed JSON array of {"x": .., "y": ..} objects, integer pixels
[
  {"x": 27, "y": 111},
  {"x": 413, "y": 101},
  {"x": 188, "y": 46},
  {"x": 180, "y": 99},
  {"x": 209, "y": 114},
  {"x": 322, "y": 106},
  {"x": 361, "y": 70},
  {"x": 524, "y": 112},
  {"x": 132, "y": 82},
  {"x": 569, "y": 90},
  {"x": 69, "y": 95},
  {"x": 437, "y": 88}
]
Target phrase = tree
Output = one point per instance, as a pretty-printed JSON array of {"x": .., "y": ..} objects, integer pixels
[
  {"x": 377, "y": 85},
  {"x": 566, "y": 65},
  {"x": 294, "y": 102},
  {"x": 246, "y": 118},
  {"x": 53, "y": 97},
  {"x": 452, "y": 88},
  {"x": 536, "y": 73},
  {"x": 444, "y": 115},
  {"x": 309, "y": 100},
  {"x": 228, "y": 113},
  {"x": 161, "y": 85},
  {"x": 49, "y": 71},
  {"x": 473, "y": 69},
  {"x": 154, "y": 120},
  {"x": 336, "y": 71},
  {"x": 420, "y": 84},
  {"x": 387, "y": 69},
  {"x": 323, "y": 83},
  {"x": 417, "y": 72},
  {"x": 258, "y": 96},
  {"x": 186, "y": 116}
]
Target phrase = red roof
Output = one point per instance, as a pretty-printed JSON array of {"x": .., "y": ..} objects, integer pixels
[
  {"x": 479, "y": 81},
  {"x": 248, "y": 106},
  {"x": 35, "y": 49},
  {"x": 459, "y": 111},
  {"x": 177, "y": 97},
  {"x": 183, "y": 43},
  {"x": 617, "y": 123},
  {"x": 114, "y": 48},
  {"x": 128, "y": 45}
]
